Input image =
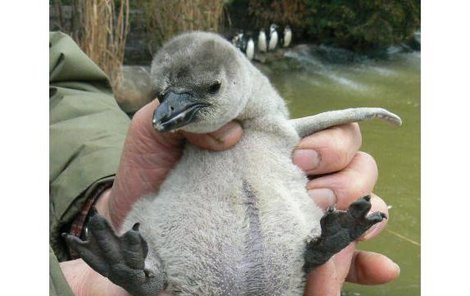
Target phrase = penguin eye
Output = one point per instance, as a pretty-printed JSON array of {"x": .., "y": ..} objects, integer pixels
[{"x": 214, "y": 87}]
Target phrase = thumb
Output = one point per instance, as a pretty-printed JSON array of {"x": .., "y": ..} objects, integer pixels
[
  {"x": 323, "y": 281},
  {"x": 222, "y": 139},
  {"x": 147, "y": 158}
]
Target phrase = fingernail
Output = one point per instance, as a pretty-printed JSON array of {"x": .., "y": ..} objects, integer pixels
[
  {"x": 224, "y": 132},
  {"x": 394, "y": 265},
  {"x": 323, "y": 197},
  {"x": 397, "y": 267},
  {"x": 306, "y": 159}
]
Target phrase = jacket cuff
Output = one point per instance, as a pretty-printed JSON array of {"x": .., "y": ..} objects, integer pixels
[{"x": 81, "y": 220}]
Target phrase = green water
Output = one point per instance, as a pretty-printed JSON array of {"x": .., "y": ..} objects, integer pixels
[{"x": 316, "y": 85}]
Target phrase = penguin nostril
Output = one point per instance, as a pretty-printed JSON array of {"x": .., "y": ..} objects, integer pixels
[{"x": 172, "y": 108}]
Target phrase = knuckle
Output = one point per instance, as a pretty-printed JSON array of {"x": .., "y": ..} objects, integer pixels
[
  {"x": 342, "y": 157},
  {"x": 356, "y": 132},
  {"x": 362, "y": 177},
  {"x": 367, "y": 163},
  {"x": 357, "y": 180},
  {"x": 342, "y": 148}
]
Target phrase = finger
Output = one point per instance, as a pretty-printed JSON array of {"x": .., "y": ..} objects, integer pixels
[
  {"x": 323, "y": 281},
  {"x": 329, "y": 150},
  {"x": 142, "y": 128},
  {"x": 378, "y": 205},
  {"x": 369, "y": 268},
  {"x": 328, "y": 278},
  {"x": 148, "y": 156},
  {"x": 222, "y": 139},
  {"x": 343, "y": 259},
  {"x": 146, "y": 159},
  {"x": 346, "y": 186}
]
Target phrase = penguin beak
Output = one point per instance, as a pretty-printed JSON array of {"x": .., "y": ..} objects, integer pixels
[{"x": 176, "y": 110}]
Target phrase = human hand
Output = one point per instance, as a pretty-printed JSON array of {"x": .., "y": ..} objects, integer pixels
[
  {"x": 146, "y": 160},
  {"x": 84, "y": 281},
  {"x": 340, "y": 175},
  {"x": 149, "y": 156}
]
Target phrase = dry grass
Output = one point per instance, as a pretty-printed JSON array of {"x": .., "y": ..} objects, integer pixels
[
  {"x": 166, "y": 18},
  {"x": 103, "y": 32}
]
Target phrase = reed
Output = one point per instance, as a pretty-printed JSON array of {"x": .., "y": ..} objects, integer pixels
[
  {"x": 168, "y": 18},
  {"x": 102, "y": 34}
]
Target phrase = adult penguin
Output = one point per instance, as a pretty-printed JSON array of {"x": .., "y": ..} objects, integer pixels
[
  {"x": 287, "y": 36},
  {"x": 273, "y": 37},
  {"x": 250, "y": 49},
  {"x": 262, "y": 42}
]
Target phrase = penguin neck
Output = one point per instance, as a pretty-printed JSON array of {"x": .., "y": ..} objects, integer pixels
[{"x": 263, "y": 101}]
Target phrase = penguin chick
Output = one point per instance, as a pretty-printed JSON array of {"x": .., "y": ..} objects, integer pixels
[
  {"x": 262, "y": 44},
  {"x": 273, "y": 37},
  {"x": 235, "y": 222}
]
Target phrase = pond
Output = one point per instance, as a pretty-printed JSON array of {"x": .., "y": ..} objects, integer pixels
[{"x": 318, "y": 78}]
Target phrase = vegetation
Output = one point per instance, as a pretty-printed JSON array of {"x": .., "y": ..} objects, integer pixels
[
  {"x": 101, "y": 31},
  {"x": 165, "y": 19},
  {"x": 362, "y": 24},
  {"x": 100, "y": 27},
  {"x": 266, "y": 12},
  {"x": 353, "y": 24}
]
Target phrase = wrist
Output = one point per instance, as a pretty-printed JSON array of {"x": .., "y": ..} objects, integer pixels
[
  {"x": 102, "y": 204},
  {"x": 84, "y": 281},
  {"x": 94, "y": 194},
  {"x": 76, "y": 274}
]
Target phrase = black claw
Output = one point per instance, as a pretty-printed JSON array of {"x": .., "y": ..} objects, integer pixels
[
  {"x": 92, "y": 212},
  {"x": 136, "y": 226},
  {"x": 367, "y": 197},
  {"x": 148, "y": 273}
]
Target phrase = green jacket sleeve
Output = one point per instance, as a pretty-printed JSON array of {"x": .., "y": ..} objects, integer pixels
[
  {"x": 57, "y": 284},
  {"x": 87, "y": 132}
]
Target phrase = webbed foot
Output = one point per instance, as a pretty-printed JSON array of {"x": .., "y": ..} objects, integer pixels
[
  {"x": 339, "y": 229},
  {"x": 119, "y": 258}
]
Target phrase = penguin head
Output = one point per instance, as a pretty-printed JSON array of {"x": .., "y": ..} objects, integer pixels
[
  {"x": 273, "y": 28},
  {"x": 198, "y": 78}
]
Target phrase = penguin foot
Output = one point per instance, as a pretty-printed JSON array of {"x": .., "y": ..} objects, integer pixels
[
  {"x": 339, "y": 229},
  {"x": 119, "y": 258}
]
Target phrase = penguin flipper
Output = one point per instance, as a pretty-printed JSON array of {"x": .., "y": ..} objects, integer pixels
[{"x": 306, "y": 126}]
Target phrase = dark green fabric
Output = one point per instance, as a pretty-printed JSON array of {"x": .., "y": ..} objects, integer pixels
[{"x": 87, "y": 132}]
